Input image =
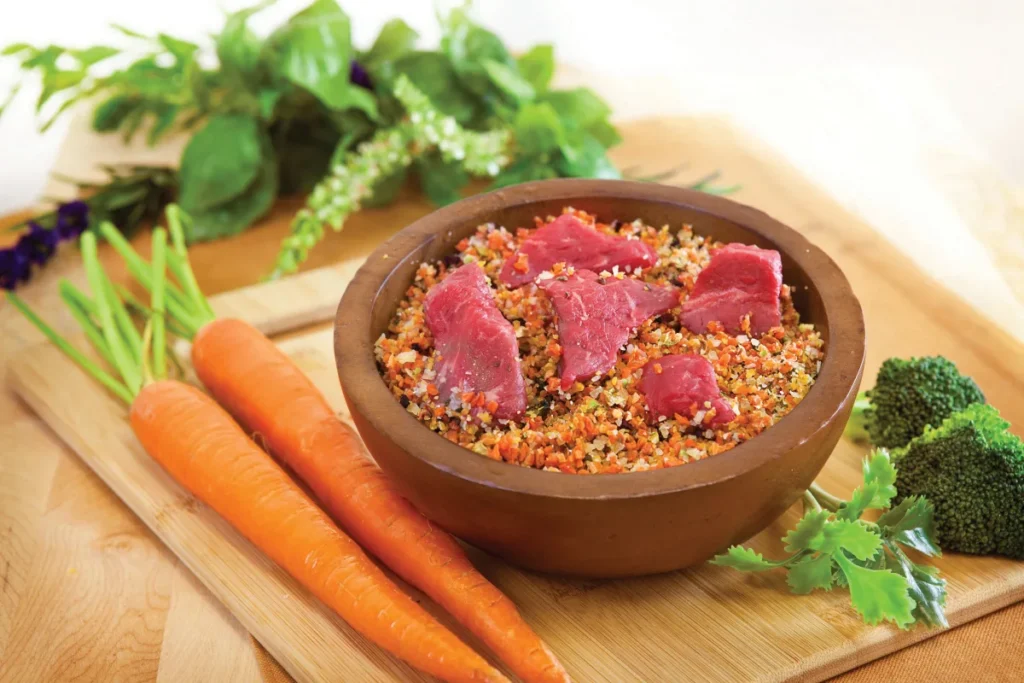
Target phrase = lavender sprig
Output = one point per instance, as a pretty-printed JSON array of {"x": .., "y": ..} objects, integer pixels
[{"x": 38, "y": 244}]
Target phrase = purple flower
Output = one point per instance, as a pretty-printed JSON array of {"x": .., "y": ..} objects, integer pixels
[
  {"x": 39, "y": 244},
  {"x": 72, "y": 219},
  {"x": 15, "y": 268},
  {"x": 359, "y": 76}
]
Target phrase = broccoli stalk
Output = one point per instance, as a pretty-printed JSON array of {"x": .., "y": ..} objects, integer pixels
[
  {"x": 909, "y": 395},
  {"x": 857, "y": 427},
  {"x": 972, "y": 470}
]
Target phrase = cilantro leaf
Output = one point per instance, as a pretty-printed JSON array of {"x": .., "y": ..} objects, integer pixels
[
  {"x": 926, "y": 588},
  {"x": 853, "y": 537},
  {"x": 878, "y": 489},
  {"x": 808, "y": 531},
  {"x": 879, "y": 468},
  {"x": 912, "y": 523},
  {"x": 745, "y": 560},
  {"x": 877, "y": 594},
  {"x": 810, "y": 573}
]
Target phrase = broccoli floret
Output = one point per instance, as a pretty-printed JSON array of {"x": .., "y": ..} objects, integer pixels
[
  {"x": 972, "y": 471},
  {"x": 908, "y": 396}
]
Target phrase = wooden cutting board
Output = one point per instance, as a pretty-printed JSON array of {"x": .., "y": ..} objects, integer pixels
[{"x": 137, "y": 616}]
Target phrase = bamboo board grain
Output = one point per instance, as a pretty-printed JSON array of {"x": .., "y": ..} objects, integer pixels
[{"x": 139, "y": 616}]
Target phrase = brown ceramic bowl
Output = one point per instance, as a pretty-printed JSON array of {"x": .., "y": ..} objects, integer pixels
[{"x": 607, "y": 525}]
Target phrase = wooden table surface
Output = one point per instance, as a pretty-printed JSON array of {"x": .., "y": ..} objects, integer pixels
[{"x": 100, "y": 637}]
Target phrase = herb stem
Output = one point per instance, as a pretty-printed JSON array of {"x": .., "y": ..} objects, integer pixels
[
  {"x": 128, "y": 369},
  {"x": 810, "y": 502},
  {"x": 824, "y": 498},
  {"x": 144, "y": 311},
  {"x": 81, "y": 310},
  {"x": 96, "y": 372},
  {"x": 182, "y": 269},
  {"x": 131, "y": 336},
  {"x": 176, "y": 302},
  {"x": 156, "y": 320}
]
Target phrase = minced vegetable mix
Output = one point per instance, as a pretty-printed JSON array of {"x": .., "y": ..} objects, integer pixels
[{"x": 601, "y": 425}]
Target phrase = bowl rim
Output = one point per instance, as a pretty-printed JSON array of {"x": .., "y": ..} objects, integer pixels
[{"x": 367, "y": 394}]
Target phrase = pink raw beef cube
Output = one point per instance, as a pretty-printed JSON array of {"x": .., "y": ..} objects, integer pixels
[
  {"x": 476, "y": 346},
  {"x": 596, "y": 316},
  {"x": 740, "y": 280},
  {"x": 567, "y": 240},
  {"x": 684, "y": 384}
]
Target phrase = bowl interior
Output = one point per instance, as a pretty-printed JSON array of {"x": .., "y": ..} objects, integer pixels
[{"x": 820, "y": 293}]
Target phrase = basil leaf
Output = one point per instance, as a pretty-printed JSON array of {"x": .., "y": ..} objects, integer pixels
[
  {"x": 442, "y": 182},
  {"x": 395, "y": 40},
  {"x": 164, "y": 116},
  {"x": 10, "y": 98},
  {"x": 538, "y": 130},
  {"x": 56, "y": 80},
  {"x": 585, "y": 157},
  {"x": 605, "y": 132},
  {"x": 314, "y": 51},
  {"x": 111, "y": 112},
  {"x": 509, "y": 81},
  {"x": 386, "y": 190},
  {"x": 93, "y": 55},
  {"x": 238, "y": 47},
  {"x": 220, "y": 162},
  {"x": 237, "y": 214},
  {"x": 303, "y": 152},
  {"x": 523, "y": 170},
  {"x": 538, "y": 66},
  {"x": 468, "y": 46},
  {"x": 435, "y": 77},
  {"x": 580, "y": 108},
  {"x": 355, "y": 127},
  {"x": 16, "y": 49},
  {"x": 267, "y": 100},
  {"x": 182, "y": 50}
]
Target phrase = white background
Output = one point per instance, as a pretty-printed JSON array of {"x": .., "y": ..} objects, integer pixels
[{"x": 909, "y": 112}]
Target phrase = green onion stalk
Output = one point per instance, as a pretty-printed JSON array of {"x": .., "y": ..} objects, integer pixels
[{"x": 129, "y": 359}]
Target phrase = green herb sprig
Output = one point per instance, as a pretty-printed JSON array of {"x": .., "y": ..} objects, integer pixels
[
  {"x": 832, "y": 546},
  {"x": 423, "y": 132},
  {"x": 281, "y": 113}
]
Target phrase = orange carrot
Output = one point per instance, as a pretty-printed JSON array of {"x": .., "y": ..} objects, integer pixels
[
  {"x": 267, "y": 393},
  {"x": 205, "y": 451}
]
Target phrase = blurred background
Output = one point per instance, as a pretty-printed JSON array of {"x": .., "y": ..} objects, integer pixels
[{"x": 905, "y": 112}]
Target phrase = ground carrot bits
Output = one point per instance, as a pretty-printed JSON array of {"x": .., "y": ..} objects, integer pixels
[{"x": 600, "y": 425}]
